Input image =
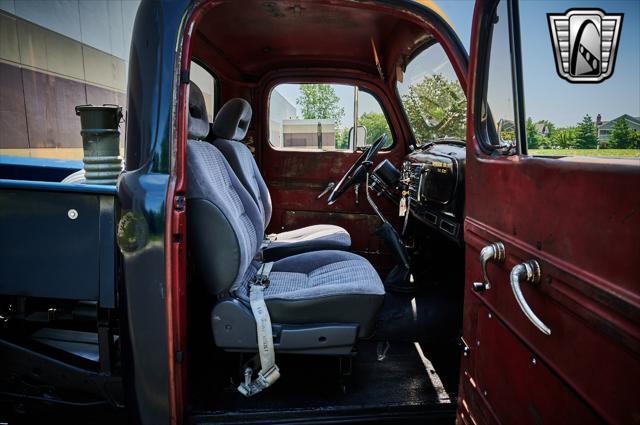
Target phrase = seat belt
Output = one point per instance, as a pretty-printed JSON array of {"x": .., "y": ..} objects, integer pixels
[
  {"x": 269, "y": 372},
  {"x": 260, "y": 254}
]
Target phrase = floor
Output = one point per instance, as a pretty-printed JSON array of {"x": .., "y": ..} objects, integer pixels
[{"x": 399, "y": 383}]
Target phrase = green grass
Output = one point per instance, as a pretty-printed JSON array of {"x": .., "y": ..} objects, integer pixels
[{"x": 621, "y": 153}]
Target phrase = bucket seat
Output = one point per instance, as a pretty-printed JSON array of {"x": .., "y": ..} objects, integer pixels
[
  {"x": 319, "y": 302},
  {"x": 229, "y": 129}
]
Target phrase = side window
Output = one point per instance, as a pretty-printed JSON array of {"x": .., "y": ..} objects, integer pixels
[
  {"x": 432, "y": 97},
  {"x": 583, "y": 96},
  {"x": 321, "y": 117},
  {"x": 207, "y": 84},
  {"x": 499, "y": 113}
]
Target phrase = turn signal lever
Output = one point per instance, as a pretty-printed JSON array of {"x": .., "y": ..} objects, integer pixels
[{"x": 326, "y": 190}]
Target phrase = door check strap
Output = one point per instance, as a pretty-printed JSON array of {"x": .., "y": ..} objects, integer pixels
[{"x": 269, "y": 372}]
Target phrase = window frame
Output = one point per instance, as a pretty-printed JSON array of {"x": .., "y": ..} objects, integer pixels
[
  {"x": 486, "y": 133},
  {"x": 362, "y": 85}
]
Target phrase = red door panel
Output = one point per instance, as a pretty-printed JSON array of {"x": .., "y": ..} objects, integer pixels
[
  {"x": 580, "y": 220},
  {"x": 503, "y": 361},
  {"x": 587, "y": 328}
]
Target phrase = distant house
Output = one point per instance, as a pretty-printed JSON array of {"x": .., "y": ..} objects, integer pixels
[
  {"x": 542, "y": 129},
  {"x": 280, "y": 109},
  {"x": 606, "y": 127},
  {"x": 309, "y": 134}
]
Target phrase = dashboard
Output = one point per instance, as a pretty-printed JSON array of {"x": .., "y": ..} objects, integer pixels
[{"x": 433, "y": 176}]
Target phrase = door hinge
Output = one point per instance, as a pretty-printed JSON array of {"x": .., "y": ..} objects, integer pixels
[{"x": 181, "y": 201}]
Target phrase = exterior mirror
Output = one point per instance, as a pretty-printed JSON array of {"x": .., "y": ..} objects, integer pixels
[{"x": 360, "y": 140}]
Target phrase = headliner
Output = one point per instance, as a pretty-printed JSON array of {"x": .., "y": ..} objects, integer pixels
[{"x": 245, "y": 39}]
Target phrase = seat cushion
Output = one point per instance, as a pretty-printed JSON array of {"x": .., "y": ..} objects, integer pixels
[
  {"x": 307, "y": 239},
  {"x": 322, "y": 287}
]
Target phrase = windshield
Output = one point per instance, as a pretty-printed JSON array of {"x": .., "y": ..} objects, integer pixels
[{"x": 432, "y": 97}]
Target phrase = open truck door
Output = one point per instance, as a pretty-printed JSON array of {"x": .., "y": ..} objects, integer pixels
[{"x": 551, "y": 316}]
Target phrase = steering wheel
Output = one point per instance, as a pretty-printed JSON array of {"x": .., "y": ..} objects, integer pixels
[{"x": 357, "y": 171}]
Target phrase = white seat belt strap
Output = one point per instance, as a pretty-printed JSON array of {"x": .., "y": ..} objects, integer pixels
[{"x": 269, "y": 372}]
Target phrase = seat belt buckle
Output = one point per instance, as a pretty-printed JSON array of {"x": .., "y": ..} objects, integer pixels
[
  {"x": 264, "y": 380},
  {"x": 261, "y": 280},
  {"x": 267, "y": 377},
  {"x": 261, "y": 277}
]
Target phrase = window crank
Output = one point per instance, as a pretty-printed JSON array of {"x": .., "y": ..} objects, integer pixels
[
  {"x": 494, "y": 252},
  {"x": 529, "y": 272}
]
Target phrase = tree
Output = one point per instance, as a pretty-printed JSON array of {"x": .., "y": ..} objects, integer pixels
[
  {"x": 436, "y": 107},
  {"x": 342, "y": 138},
  {"x": 376, "y": 125},
  {"x": 635, "y": 139},
  {"x": 621, "y": 137},
  {"x": 586, "y": 135},
  {"x": 565, "y": 138},
  {"x": 320, "y": 102},
  {"x": 534, "y": 140}
]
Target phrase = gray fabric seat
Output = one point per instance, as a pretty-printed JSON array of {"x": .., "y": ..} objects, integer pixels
[
  {"x": 225, "y": 228},
  {"x": 229, "y": 129},
  {"x": 325, "y": 286}
]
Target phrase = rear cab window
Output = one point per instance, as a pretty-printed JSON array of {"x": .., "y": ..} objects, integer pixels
[
  {"x": 325, "y": 117},
  {"x": 207, "y": 84}
]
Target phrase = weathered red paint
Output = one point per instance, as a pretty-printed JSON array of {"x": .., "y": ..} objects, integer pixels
[
  {"x": 176, "y": 240},
  {"x": 581, "y": 221}
]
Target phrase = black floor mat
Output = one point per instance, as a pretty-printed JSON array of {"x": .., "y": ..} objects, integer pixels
[{"x": 310, "y": 382}]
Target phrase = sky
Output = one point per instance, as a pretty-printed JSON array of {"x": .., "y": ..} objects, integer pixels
[{"x": 547, "y": 96}]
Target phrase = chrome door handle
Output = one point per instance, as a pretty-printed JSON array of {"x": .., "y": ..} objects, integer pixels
[
  {"x": 528, "y": 271},
  {"x": 326, "y": 190},
  {"x": 494, "y": 252}
]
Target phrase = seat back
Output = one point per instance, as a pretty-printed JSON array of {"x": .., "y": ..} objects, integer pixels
[
  {"x": 229, "y": 129},
  {"x": 225, "y": 226}
]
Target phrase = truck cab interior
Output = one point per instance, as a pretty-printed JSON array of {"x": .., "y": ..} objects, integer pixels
[
  {"x": 328, "y": 143},
  {"x": 320, "y": 162},
  {"x": 320, "y": 219}
]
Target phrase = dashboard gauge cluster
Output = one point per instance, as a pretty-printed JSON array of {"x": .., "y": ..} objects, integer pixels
[{"x": 434, "y": 178}]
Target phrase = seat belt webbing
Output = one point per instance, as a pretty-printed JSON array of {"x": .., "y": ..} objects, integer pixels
[{"x": 269, "y": 372}]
